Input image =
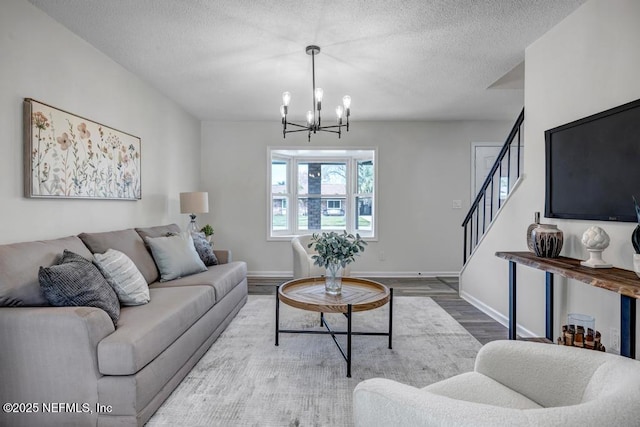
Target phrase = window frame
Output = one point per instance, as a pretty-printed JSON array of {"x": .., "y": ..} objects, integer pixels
[
  {"x": 286, "y": 195},
  {"x": 292, "y": 156}
]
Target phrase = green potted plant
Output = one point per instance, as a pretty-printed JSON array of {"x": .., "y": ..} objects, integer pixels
[
  {"x": 208, "y": 232},
  {"x": 635, "y": 240},
  {"x": 333, "y": 252}
]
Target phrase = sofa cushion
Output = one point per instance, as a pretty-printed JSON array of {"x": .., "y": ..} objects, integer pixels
[
  {"x": 75, "y": 281},
  {"x": 19, "y": 264},
  {"x": 478, "y": 388},
  {"x": 175, "y": 256},
  {"x": 127, "y": 241},
  {"x": 158, "y": 231},
  {"x": 123, "y": 276},
  {"x": 204, "y": 249},
  {"x": 222, "y": 277},
  {"x": 147, "y": 330}
]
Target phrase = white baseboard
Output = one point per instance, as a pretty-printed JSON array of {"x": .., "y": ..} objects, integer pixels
[
  {"x": 285, "y": 274},
  {"x": 496, "y": 315},
  {"x": 404, "y": 274},
  {"x": 400, "y": 274}
]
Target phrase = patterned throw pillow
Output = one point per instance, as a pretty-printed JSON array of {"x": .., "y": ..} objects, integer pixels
[
  {"x": 204, "y": 249},
  {"x": 76, "y": 281},
  {"x": 123, "y": 276},
  {"x": 175, "y": 256}
]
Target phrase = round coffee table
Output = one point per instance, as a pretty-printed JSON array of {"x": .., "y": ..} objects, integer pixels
[{"x": 357, "y": 295}]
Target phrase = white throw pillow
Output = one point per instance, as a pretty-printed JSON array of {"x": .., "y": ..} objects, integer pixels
[
  {"x": 123, "y": 276},
  {"x": 175, "y": 256}
]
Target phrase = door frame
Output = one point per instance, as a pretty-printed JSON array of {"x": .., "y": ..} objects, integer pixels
[{"x": 474, "y": 146}]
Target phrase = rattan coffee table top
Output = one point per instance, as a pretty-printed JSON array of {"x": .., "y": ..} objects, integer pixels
[{"x": 309, "y": 294}]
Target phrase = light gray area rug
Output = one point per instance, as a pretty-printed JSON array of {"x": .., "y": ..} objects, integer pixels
[{"x": 245, "y": 380}]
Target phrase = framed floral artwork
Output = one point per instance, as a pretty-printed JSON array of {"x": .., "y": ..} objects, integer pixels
[{"x": 68, "y": 156}]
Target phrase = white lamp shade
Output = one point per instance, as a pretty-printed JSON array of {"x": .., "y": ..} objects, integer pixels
[{"x": 194, "y": 202}]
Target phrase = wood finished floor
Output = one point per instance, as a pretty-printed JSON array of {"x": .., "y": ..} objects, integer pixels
[{"x": 443, "y": 290}]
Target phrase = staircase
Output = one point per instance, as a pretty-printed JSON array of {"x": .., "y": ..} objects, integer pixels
[{"x": 495, "y": 189}]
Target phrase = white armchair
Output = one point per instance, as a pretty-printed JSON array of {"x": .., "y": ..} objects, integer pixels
[
  {"x": 515, "y": 383},
  {"x": 302, "y": 263}
]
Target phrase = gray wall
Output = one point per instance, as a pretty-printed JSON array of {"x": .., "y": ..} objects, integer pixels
[
  {"x": 43, "y": 60},
  {"x": 422, "y": 168}
]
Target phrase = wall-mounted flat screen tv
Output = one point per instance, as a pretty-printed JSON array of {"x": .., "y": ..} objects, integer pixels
[{"x": 593, "y": 166}]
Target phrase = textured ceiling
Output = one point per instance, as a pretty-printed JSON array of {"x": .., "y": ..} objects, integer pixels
[{"x": 398, "y": 60}]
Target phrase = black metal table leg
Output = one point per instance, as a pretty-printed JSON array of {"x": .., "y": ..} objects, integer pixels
[
  {"x": 349, "y": 340},
  {"x": 513, "y": 333},
  {"x": 390, "y": 315},
  {"x": 277, "y": 314},
  {"x": 346, "y": 353},
  {"x": 627, "y": 326},
  {"x": 549, "y": 306}
]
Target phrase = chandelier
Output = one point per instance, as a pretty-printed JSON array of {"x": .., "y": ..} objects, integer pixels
[{"x": 314, "y": 122}]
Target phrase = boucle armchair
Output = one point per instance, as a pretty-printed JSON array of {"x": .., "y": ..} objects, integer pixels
[
  {"x": 514, "y": 383},
  {"x": 303, "y": 263}
]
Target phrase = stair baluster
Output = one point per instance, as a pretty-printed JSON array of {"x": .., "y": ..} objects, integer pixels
[{"x": 473, "y": 228}]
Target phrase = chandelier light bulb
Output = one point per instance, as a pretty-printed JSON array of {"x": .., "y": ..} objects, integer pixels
[
  {"x": 309, "y": 118},
  {"x": 286, "y": 98},
  {"x": 339, "y": 111},
  {"x": 319, "y": 94},
  {"x": 346, "y": 101},
  {"x": 283, "y": 111}
]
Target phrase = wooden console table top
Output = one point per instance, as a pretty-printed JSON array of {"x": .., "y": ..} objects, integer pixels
[{"x": 623, "y": 282}]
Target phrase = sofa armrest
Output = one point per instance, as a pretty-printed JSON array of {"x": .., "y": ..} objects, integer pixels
[
  {"x": 532, "y": 369},
  {"x": 383, "y": 402},
  {"x": 223, "y": 255},
  {"x": 49, "y": 354}
]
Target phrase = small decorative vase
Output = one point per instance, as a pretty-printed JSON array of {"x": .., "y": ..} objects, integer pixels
[
  {"x": 333, "y": 279},
  {"x": 636, "y": 264},
  {"x": 547, "y": 240},
  {"x": 530, "y": 228},
  {"x": 209, "y": 238}
]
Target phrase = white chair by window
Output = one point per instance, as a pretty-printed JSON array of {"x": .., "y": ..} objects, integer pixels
[{"x": 303, "y": 263}]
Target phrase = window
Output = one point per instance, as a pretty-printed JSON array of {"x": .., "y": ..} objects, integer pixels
[{"x": 321, "y": 190}]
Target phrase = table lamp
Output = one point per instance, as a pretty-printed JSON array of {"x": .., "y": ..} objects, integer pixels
[{"x": 193, "y": 203}]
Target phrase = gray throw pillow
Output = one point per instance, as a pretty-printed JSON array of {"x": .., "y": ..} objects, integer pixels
[
  {"x": 75, "y": 281},
  {"x": 123, "y": 276},
  {"x": 175, "y": 256},
  {"x": 204, "y": 249}
]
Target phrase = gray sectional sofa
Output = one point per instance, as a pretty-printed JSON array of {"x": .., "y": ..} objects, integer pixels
[{"x": 71, "y": 366}]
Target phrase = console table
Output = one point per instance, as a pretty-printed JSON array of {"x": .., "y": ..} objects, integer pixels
[{"x": 623, "y": 282}]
